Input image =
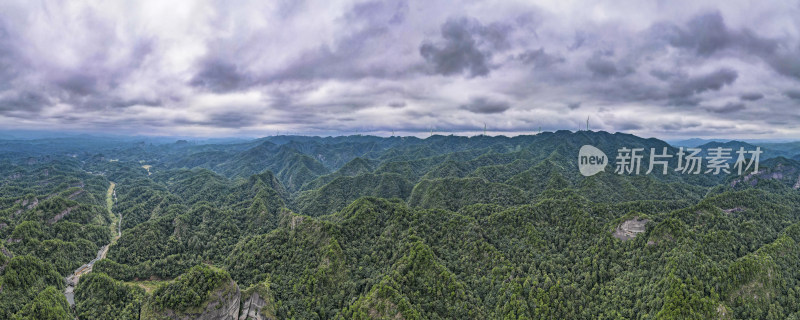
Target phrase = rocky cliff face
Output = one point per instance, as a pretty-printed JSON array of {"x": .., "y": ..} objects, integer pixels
[
  {"x": 226, "y": 303},
  {"x": 251, "y": 308},
  {"x": 223, "y": 304},
  {"x": 257, "y": 303}
]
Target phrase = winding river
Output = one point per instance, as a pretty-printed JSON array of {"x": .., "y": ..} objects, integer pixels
[{"x": 72, "y": 280}]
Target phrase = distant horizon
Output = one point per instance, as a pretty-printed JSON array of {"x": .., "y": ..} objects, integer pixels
[{"x": 50, "y": 134}]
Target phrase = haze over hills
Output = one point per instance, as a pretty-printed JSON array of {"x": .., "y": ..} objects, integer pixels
[{"x": 367, "y": 227}]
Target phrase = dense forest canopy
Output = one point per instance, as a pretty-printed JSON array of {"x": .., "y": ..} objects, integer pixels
[{"x": 364, "y": 227}]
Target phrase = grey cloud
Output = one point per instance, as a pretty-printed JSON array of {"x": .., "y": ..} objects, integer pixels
[
  {"x": 100, "y": 71},
  {"x": 704, "y": 33},
  {"x": 78, "y": 83},
  {"x": 376, "y": 11},
  {"x": 578, "y": 41},
  {"x": 233, "y": 119},
  {"x": 539, "y": 58},
  {"x": 340, "y": 62},
  {"x": 290, "y": 8},
  {"x": 754, "y": 96},
  {"x": 573, "y": 105},
  {"x": 626, "y": 126},
  {"x": 667, "y": 75},
  {"x": 25, "y": 100},
  {"x": 9, "y": 58},
  {"x": 122, "y": 103},
  {"x": 601, "y": 67},
  {"x": 397, "y": 104},
  {"x": 496, "y": 34},
  {"x": 714, "y": 80},
  {"x": 707, "y": 34},
  {"x": 467, "y": 46},
  {"x": 485, "y": 106},
  {"x": 675, "y": 87},
  {"x": 345, "y": 59},
  {"x": 785, "y": 61},
  {"x": 729, "y": 107},
  {"x": 88, "y": 82},
  {"x": 679, "y": 125},
  {"x": 225, "y": 71},
  {"x": 684, "y": 101},
  {"x": 218, "y": 75},
  {"x": 793, "y": 94}
]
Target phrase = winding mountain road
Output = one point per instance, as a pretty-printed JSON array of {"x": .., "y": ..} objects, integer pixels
[{"x": 72, "y": 280}]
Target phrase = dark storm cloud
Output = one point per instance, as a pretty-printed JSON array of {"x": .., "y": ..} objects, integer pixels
[
  {"x": 753, "y": 96},
  {"x": 728, "y": 107},
  {"x": 24, "y": 100},
  {"x": 35, "y": 79},
  {"x": 485, "y": 105},
  {"x": 793, "y": 94},
  {"x": 627, "y": 126},
  {"x": 671, "y": 88},
  {"x": 398, "y": 104},
  {"x": 101, "y": 72},
  {"x": 29, "y": 85},
  {"x": 715, "y": 80},
  {"x": 679, "y": 125},
  {"x": 233, "y": 119},
  {"x": 218, "y": 75},
  {"x": 707, "y": 34},
  {"x": 667, "y": 75},
  {"x": 539, "y": 58},
  {"x": 785, "y": 61},
  {"x": 467, "y": 46},
  {"x": 79, "y": 84},
  {"x": 343, "y": 60},
  {"x": 340, "y": 62},
  {"x": 9, "y": 59},
  {"x": 601, "y": 67}
]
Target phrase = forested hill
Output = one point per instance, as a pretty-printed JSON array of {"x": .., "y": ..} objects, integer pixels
[{"x": 364, "y": 227}]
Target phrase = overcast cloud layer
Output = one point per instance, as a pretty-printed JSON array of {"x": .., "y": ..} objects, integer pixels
[{"x": 221, "y": 68}]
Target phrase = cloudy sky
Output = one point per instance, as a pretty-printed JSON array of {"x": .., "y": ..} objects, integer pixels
[{"x": 225, "y": 68}]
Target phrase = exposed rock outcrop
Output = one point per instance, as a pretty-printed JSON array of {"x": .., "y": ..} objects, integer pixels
[
  {"x": 257, "y": 303},
  {"x": 61, "y": 215},
  {"x": 630, "y": 228},
  {"x": 75, "y": 194},
  {"x": 785, "y": 171},
  {"x": 223, "y": 304}
]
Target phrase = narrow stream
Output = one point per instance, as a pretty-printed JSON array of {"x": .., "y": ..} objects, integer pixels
[{"x": 72, "y": 280}]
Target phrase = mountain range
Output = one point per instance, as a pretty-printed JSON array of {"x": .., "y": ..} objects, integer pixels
[{"x": 364, "y": 227}]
